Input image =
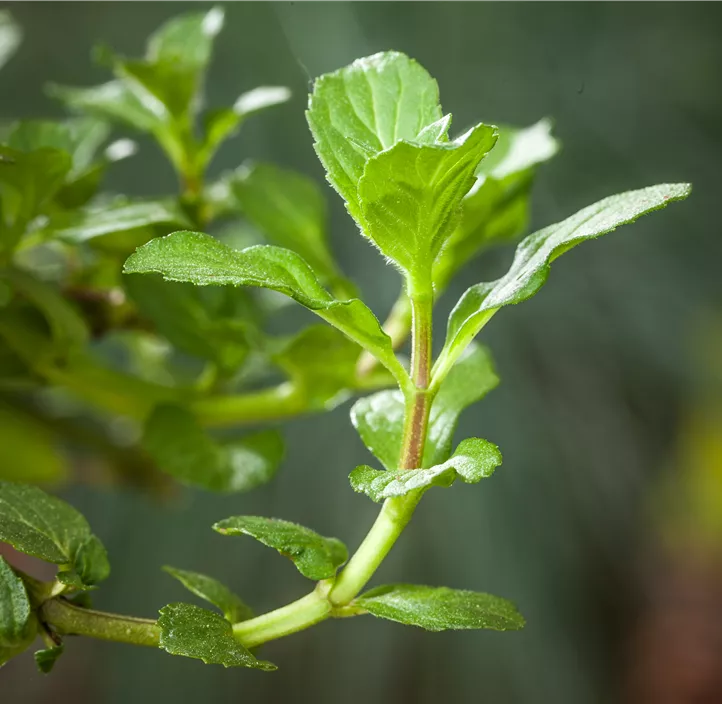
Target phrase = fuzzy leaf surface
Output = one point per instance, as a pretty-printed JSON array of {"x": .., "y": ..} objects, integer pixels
[
  {"x": 233, "y": 608},
  {"x": 367, "y": 107},
  {"x": 315, "y": 557},
  {"x": 43, "y": 526},
  {"x": 441, "y": 608},
  {"x": 410, "y": 196},
  {"x": 473, "y": 460},
  {"x": 180, "y": 447},
  {"x": 194, "y": 632},
  {"x": 17, "y": 629},
  {"x": 533, "y": 258}
]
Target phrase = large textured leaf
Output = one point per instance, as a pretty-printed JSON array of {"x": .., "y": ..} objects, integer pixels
[
  {"x": 180, "y": 447},
  {"x": 198, "y": 633},
  {"x": 321, "y": 363},
  {"x": 43, "y": 526},
  {"x": 233, "y": 608},
  {"x": 10, "y": 37},
  {"x": 534, "y": 255},
  {"x": 440, "y": 608},
  {"x": 17, "y": 627},
  {"x": 315, "y": 557},
  {"x": 379, "y": 418},
  {"x": 364, "y": 108},
  {"x": 200, "y": 259},
  {"x": 289, "y": 209},
  {"x": 472, "y": 461},
  {"x": 410, "y": 194}
]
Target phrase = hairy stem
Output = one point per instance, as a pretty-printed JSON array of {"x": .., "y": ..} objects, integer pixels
[{"x": 68, "y": 619}]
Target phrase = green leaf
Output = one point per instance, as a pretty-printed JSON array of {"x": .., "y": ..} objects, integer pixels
[
  {"x": 473, "y": 460},
  {"x": 180, "y": 447},
  {"x": 198, "y": 633},
  {"x": 120, "y": 215},
  {"x": 233, "y": 608},
  {"x": 17, "y": 623},
  {"x": 43, "y": 526},
  {"x": 321, "y": 363},
  {"x": 315, "y": 557},
  {"x": 220, "y": 124},
  {"x": 534, "y": 255},
  {"x": 367, "y": 107},
  {"x": 379, "y": 418},
  {"x": 202, "y": 260},
  {"x": 213, "y": 330},
  {"x": 114, "y": 101},
  {"x": 410, "y": 195},
  {"x": 496, "y": 209},
  {"x": 10, "y": 37},
  {"x": 440, "y": 608},
  {"x": 186, "y": 40},
  {"x": 28, "y": 448},
  {"x": 289, "y": 209},
  {"x": 46, "y": 659}
]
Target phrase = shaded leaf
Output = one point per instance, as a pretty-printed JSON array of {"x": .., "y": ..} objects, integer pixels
[
  {"x": 180, "y": 447},
  {"x": 534, "y": 255},
  {"x": 200, "y": 259},
  {"x": 46, "y": 659},
  {"x": 473, "y": 460},
  {"x": 233, "y": 608},
  {"x": 43, "y": 526},
  {"x": 17, "y": 624},
  {"x": 379, "y": 418},
  {"x": 289, "y": 209},
  {"x": 120, "y": 215},
  {"x": 315, "y": 557},
  {"x": 321, "y": 363},
  {"x": 410, "y": 194},
  {"x": 440, "y": 608},
  {"x": 364, "y": 108},
  {"x": 198, "y": 633}
]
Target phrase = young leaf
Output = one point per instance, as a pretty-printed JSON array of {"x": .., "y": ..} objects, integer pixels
[
  {"x": 120, "y": 215},
  {"x": 367, "y": 107},
  {"x": 180, "y": 447},
  {"x": 440, "y": 608},
  {"x": 198, "y": 633},
  {"x": 496, "y": 209},
  {"x": 409, "y": 197},
  {"x": 379, "y": 418},
  {"x": 10, "y": 37},
  {"x": 233, "y": 608},
  {"x": 473, "y": 460},
  {"x": 17, "y": 624},
  {"x": 321, "y": 363},
  {"x": 534, "y": 255},
  {"x": 290, "y": 210},
  {"x": 46, "y": 659},
  {"x": 43, "y": 526},
  {"x": 202, "y": 260},
  {"x": 315, "y": 557}
]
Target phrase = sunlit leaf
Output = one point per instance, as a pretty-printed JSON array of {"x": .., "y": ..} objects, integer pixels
[
  {"x": 315, "y": 557},
  {"x": 440, "y": 608}
]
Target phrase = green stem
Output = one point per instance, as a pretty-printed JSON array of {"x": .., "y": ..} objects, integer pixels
[
  {"x": 68, "y": 619},
  {"x": 296, "y": 616}
]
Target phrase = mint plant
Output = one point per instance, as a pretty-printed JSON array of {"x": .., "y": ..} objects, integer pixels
[{"x": 429, "y": 203}]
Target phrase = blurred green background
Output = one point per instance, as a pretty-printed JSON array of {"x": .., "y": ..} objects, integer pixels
[{"x": 598, "y": 373}]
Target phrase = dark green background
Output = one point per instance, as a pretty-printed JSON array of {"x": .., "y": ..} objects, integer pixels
[{"x": 595, "y": 370}]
